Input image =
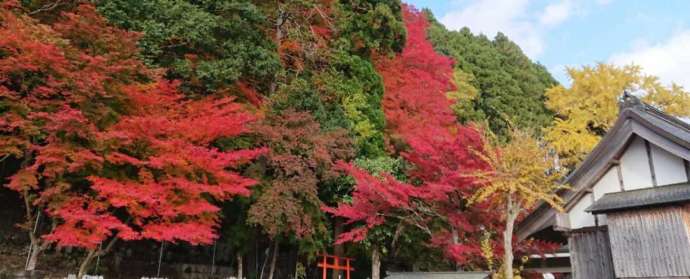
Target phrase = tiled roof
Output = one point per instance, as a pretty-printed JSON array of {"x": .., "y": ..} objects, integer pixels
[{"x": 662, "y": 195}]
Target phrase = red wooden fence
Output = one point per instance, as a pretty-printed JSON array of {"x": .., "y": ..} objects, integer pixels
[{"x": 335, "y": 265}]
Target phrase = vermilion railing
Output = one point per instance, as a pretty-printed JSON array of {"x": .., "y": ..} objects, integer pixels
[{"x": 334, "y": 263}]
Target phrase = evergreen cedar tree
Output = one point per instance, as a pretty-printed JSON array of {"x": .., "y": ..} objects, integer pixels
[
  {"x": 110, "y": 149},
  {"x": 496, "y": 82},
  {"x": 195, "y": 41}
]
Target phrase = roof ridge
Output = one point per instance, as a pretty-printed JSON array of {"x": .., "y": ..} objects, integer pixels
[
  {"x": 665, "y": 116},
  {"x": 629, "y": 101}
]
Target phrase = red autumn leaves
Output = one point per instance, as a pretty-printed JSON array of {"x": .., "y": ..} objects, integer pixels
[
  {"x": 424, "y": 130},
  {"x": 110, "y": 148}
]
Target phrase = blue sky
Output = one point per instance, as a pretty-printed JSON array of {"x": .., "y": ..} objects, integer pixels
[{"x": 560, "y": 33}]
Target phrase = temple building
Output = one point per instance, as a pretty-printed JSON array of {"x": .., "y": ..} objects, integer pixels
[{"x": 627, "y": 212}]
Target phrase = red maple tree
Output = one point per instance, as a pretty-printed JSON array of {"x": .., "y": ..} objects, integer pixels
[
  {"x": 423, "y": 129},
  {"x": 109, "y": 149},
  {"x": 55, "y": 97},
  {"x": 166, "y": 142}
]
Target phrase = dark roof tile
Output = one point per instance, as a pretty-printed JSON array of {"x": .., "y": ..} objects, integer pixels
[{"x": 661, "y": 195}]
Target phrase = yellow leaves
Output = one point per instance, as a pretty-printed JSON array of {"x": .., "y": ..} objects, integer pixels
[
  {"x": 487, "y": 250},
  {"x": 593, "y": 94},
  {"x": 571, "y": 140},
  {"x": 673, "y": 100},
  {"x": 589, "y": 107},
  {"x": 522, "y": 169},
  {"x": 353, "y": 105},
  {"x": 464, "y": 94},
  {"x": 465, "y": 91}
]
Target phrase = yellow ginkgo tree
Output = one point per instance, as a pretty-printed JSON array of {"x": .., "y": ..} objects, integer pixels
[
  {"x": 586, "y": 110},
  {"x": 521, "y": 173}
]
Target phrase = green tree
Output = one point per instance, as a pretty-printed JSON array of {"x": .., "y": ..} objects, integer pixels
[
  {"x": 371, "y": 25},
  {"x": 208, "y": 44},
  {"x": 499, "y": 83}
]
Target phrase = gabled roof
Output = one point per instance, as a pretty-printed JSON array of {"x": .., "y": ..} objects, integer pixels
[
  {"x": 640, "y": 198},
  {"x": 635, "y": 119}
]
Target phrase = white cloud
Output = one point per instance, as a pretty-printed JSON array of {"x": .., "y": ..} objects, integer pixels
[
  {"x": 669, "y": 60},
  {"x": 556, "y": 13},
  {"x": 512, "y": 17}
]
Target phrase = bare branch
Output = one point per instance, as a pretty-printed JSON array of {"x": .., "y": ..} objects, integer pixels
[{"x": 47, "y": 7}]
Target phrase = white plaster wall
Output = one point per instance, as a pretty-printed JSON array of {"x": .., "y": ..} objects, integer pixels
[
  {"x": 635, "y": 166},
  {"x": 608, "y": 183},
  {"x": 578, "y": 217},
  {"x": 669, "y": 169}
]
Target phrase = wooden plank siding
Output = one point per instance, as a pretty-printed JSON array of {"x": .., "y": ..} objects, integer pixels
[
  {"x": 590, "y": 254},
  {"x": 650, "y": 242}
]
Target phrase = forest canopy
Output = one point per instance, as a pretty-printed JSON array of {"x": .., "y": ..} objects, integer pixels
[{"x": 286, "y": 129}]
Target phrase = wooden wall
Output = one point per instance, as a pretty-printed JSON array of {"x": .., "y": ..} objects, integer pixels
[
  {"x": 651, "y": 242},
  {"x": 590, "y": 254}
]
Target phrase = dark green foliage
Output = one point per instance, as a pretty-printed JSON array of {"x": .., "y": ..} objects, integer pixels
[
  {"x": 212, "y": 44},
  {"x": 300, "y": 94},
  {"x": 510, "y": 86},
  {"x": 335, "y": 79},
  {"x": 359, "y": 89},
  {"x": 346, "y": 94},
  {"x": 372, "y": 25},
  {"x": 208, "y": 44}
]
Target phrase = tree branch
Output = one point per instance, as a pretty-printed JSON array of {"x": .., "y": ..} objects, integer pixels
[{"x": 47, "y": 7}]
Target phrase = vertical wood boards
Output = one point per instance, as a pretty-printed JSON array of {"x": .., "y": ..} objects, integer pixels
[
  {"x": 652, "y": 242},
  {"x": 590, "y": 254}
]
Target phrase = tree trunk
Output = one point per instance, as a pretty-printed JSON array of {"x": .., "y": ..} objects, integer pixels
[
  {"x": 263, "y": 265},
  {"x": 32, "y": 222},
  {"x": 33, "y": 257},
  {"x": 511, "y": 215},
  {"x": 375, "y": 263},
  {"x": 160, "y": 259},
  {"x": 85, "y": 264},
  {"x": 36, "y": 246},
  {"x": 239, "y": 266},
  {"x": 273, "y": 259},
  {"x": 94, "y": 253}
]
